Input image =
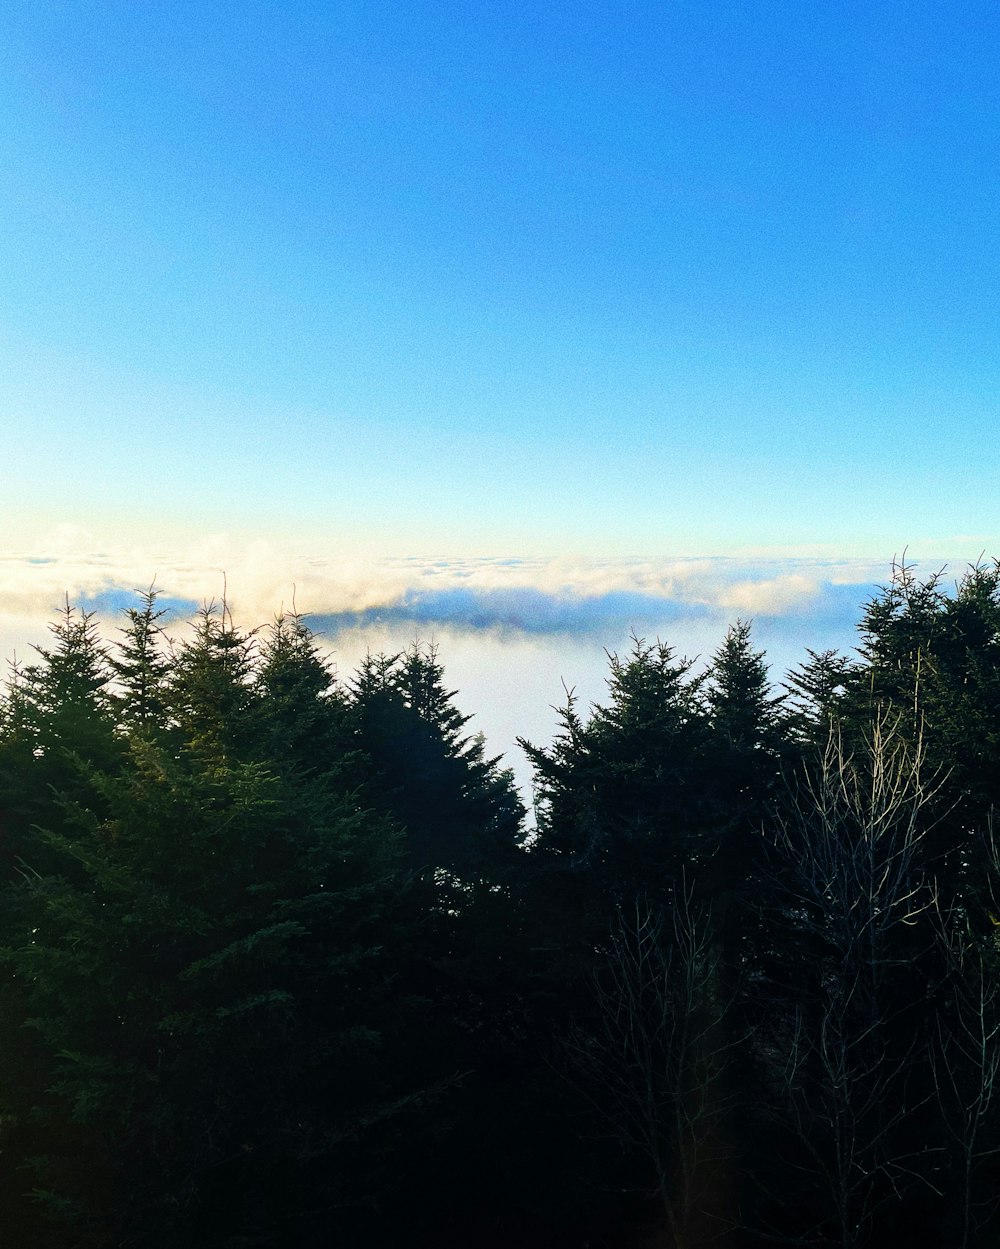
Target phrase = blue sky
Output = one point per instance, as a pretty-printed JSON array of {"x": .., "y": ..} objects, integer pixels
[
  {"x": 515, "y": 325},
  {"x": 503, "y": 278}
]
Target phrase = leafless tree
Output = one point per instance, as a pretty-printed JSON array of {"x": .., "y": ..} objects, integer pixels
[
  {"x": 848, "y": 871},
  {"x": 654, "y": 1061},
  {"x": 965, "y": 1056}
]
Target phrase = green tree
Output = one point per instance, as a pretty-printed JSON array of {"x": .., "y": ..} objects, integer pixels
[
  {"x": 747, "y": 741},
  {"x": 460, "y": 809},
  {"x": 815, "y": 695},
  {"x": 623, "y": 797},
  {"x": 57, "y": 712},
  {"x": 933, "y": 659},
  {"x": 210, "y": 697},
  {"x": 210, "y": 982},
  {"x": 141, "y": 665},
  {"x": 66, "y": 702},
  {"x": 301, "y": 713}
]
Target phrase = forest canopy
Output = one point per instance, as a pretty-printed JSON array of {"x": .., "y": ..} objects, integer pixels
[{"x": 284, "y": 962}]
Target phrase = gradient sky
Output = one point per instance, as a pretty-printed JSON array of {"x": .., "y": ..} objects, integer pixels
[{"x": 674, "y": 277}]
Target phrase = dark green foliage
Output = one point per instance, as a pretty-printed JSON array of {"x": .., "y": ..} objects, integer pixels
[
  {"x": 58, "y": 711},
  {"x": 743, "y": 710},
  {"x": 747, "y": 746},
  {"x": 280, "y": 967},
  {"x": 211, "y": 947},
  {"x": 460, "y": 810},
  {"x": 141, "y": 666},
  {"x": 815, "y": 692},
  {"x": 68, "y": 690},
  {"x": 300, "y": 716},
  {"x": 933, "y": 658},
  {"x": 210, "y": 697},
  {"x": 623, "y": 797},
  {"x": 210, "y": 928}
]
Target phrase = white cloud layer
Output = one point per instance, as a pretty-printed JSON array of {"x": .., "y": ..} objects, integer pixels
[
  {"x": 558, "y": 595},
  {"x": 512, "y": 632}
]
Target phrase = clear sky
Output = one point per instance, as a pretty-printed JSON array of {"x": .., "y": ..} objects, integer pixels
[{"x": 492, "y": 278}]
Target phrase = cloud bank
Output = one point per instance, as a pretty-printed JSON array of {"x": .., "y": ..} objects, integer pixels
[
  {"x": 513, "y": 632},
  {"x": 534, "y": 597}
]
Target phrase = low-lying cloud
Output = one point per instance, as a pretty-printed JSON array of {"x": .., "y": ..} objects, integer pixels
[
  {"x": 514, "y": 633},
  {"x": 576, "y": 597},
  {"x": 522, "y": 608}
]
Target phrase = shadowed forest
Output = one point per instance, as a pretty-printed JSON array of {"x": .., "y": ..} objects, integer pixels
[{"x": 284, "y": 962}]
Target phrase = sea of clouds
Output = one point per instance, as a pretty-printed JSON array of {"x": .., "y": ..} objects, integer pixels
[{"x": 513, "y": 633}]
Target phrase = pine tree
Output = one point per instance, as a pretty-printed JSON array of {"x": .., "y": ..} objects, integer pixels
[
  {"x": 301, "y": 712},
  {"x": 66, "y": 700},
  {"x": 141, "y": 665},
  {"x": 210, "y": 696},
  {"x": 213, "y": 955},
  {"x": 58, "y": 712},
  {"x": 746, "y": 748},
  {"x": 622, "y": 797},
  {"x": 742, "y": 707},
  {"x": 815, "y": 693},
  {"x": 460, "y": 810}
]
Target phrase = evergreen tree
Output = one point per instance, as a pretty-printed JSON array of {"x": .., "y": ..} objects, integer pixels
[
  {"x": 212, "y": 955},
  {"x": 933, "y": 658},
  {"x": 747, "y": 738},
  {"x": 624, "y": 808},
  {"x": 815, "y": 693},
  {"x": 141, "y": 665},
  {"x": 742, "y": 707},
  {"x": 210, "y": 695},
  {"x": 66, "y": 703},
  {"x": 58, "y": 711},
  {"x": 301, "y": 713},
  {"x": 623, "y": 797},
  {"x": 277, "y": 966},
  {"x": 460, "y": 810},
  {"x": 462, "y": 822}
]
